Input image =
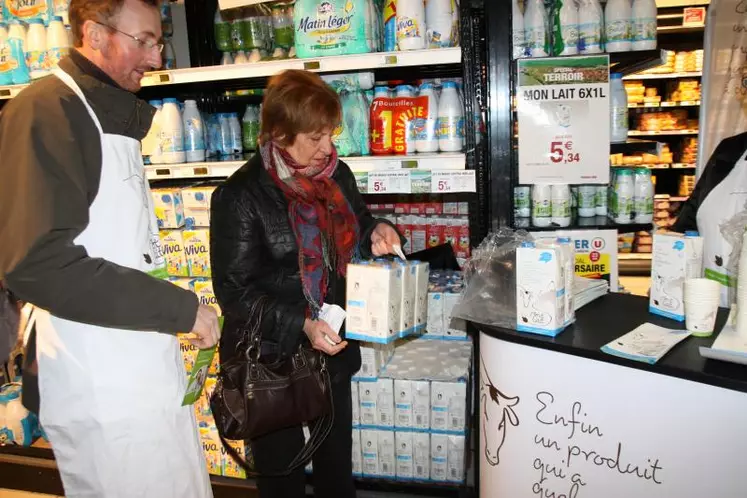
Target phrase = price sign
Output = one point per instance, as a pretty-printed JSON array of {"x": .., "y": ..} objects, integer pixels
[
  {"x": 445, "y": 182},
  {"x": 564, "y": 120},
  {"x": 389, "y": 182}
]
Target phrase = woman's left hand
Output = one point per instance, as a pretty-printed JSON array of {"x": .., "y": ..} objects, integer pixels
[{"x": 383, "y": 240}]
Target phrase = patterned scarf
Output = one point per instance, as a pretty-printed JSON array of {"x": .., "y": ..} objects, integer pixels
[{"x": 321, "y": 217}]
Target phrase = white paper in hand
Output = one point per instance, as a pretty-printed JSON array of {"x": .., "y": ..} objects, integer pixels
[
  {"x": 398, "y": 251},
  {"x": 334, "y": 316}
]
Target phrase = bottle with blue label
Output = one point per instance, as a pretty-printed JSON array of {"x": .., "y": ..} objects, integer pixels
[
  {"x": 225, "y": 140},
  {"x": 450, "y": 119},
  {"x": 5, "y": 67},
  {"x": 237, "y": 147},
  {"x": 36, "y": 49},
  {"x": 58, "y": 43},
  {"x": 426, "y": 139},
  {"x": 172, "y": 133},
  {"x": 16, "y": 60},
  {"x": 194, "y": 143}
]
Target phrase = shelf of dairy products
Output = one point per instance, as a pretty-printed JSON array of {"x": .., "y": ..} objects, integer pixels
[
  {"x": 638, "y": 133},
  {"x": 665, "y": 104},
  {"x": 359, "y": 62},
  {"x": 663, "y": 76}
]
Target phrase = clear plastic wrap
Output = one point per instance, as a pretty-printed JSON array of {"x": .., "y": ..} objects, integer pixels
[{"x": 489, "y": 296}]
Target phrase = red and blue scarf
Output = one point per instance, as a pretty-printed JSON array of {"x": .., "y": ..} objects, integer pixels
[{"x": 322, "y": 220}]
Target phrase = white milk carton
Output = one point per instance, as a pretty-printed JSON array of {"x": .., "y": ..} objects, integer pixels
[
  {"x": 457, "y": 412},
  {"x": 540, "y": 299},
  {"x": 169, "y": 208},
  {"x": 197, "y": 206},
  {"x": 403, "y": 403},
  {"x": 368, "y": 395},
  {"x": 357, "y": 454},
  {"x": 435, "y": 320},
  {"x": 385, "y": 403},
  {"x": 370, "y": 452},
  {"x": 454, "y": 328},
  {"x": 421, "y": 295},
  {"x": 421, "y": 404},
  {"x": 407, "y": 318},
  {"x": 370, "y": 362},
  {"x": 374, "y": 302},
  {"x": 421, "y": 455},
  {"x": 404, "y": 455},
  {"x": 455, "y": 459},
  {"x": 441, "y": 393},
  {"x": 387, "y": 460},
  {"x": 439, "y": 457},
  {"x": 356, "y": 403},
  {"x": 676, "y": 257}
]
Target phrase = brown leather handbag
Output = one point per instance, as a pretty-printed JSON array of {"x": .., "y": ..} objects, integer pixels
[{"x": 253, "y": 398}]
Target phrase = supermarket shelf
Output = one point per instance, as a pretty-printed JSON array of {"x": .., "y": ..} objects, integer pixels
[
  {"x": 12, "y": 91},
  {"x": 416, "y": 181},
  {"x": 359, "y": 62},
  {"x": 663, "y": 76},
  {"x": 656, "y": 105},
  {"x": 633, "y": 256},
  {"x": 595, "y": 223},
  {"x": 636, "y": 133},
  {"x": 221, "y": 169},
  {"x": 634, "y": 145}
]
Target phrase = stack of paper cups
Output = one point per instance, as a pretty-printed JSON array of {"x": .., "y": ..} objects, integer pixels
[
  {"x": 741, "y": 299},
  {"x": 702, "y": 297}
]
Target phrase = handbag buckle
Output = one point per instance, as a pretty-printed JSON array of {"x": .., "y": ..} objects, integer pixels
[{"x": 299, "y": 360}]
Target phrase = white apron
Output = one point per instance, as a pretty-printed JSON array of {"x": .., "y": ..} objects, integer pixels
[
  {"x": 111, "y": 399},
  {"x": 720, "y": 206}
]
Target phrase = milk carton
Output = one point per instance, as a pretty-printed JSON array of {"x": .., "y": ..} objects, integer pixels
[
  {"x": 421, "y": 404},
  {"x": 540, "y": 298},
  {"x": 172, "y": 243},
  {"x": 454, "y": 328},
  {"x": 197, "y": 251},
  {"x": 167, "y": 202},
  {"x": 453, "y": 397},
  {"x": 357, "y": 454},
  {"x": 197, "y": 206},
  {"x": 211, "y": 445},
  {"x": 387, "y": 467},
  {"x": 385, "y": 403},
  {"x": 439, "y": 457},
  {"x": 435, "y": 320},
  {"x": 356, "y": 402},
  {"x": 441, "y": 393},
  {"x": 370, "y": 452},
  {"x": 421, "y": 295},
  {"x": 676, "y": 257},
  {"x": 404, "y": 455},
  {"x": 231, "y": 468},
  {"x": 370, "y": 362},
  {"x": 403, "y": 403},
  {"x": 455, "y": 459},
  {"x": 407, "y": 317},
  {"x": 374, "y": 302},
  {"x": 421, "y": 455},
  {"x": 205, "y": 294},
  {"x": 368, "y": 395}
]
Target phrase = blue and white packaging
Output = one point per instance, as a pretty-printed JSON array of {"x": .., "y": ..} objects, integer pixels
[
  {"x": 404, "y": 453},
  {"x": 357, "y": 454},
  {"x": 439, "y": 457},
  {"x": 17, "y": 424},
  {"x": 387, "y": 459},
  {"x": 455, "y": 459},
  {"x": 421, "y": 294},
  {"x": 385, "y": 403},
  {"x": 368, "y": 395},
  {"x": 370, "y": 452},
  {"x": 676, "y": 257},
  {"x": 28, "y": 10},
  {"x": 356, "y": 404},
  {"x": 374, "y": 302},
  {"x": 449, "y": 407},
  {"x": 540, "y": 287},
  {"x": 421, "y": 454},
  {"x": 403, "y": 404}
]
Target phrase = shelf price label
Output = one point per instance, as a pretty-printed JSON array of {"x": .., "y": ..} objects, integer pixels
[
  {"x": 564, "y": 120},
  {"x": 389, "y": 182},
  {"x": 445, "y": 182}
]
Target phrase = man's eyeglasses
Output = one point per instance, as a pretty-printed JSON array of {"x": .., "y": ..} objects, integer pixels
[{"x": 143, "y": 44}]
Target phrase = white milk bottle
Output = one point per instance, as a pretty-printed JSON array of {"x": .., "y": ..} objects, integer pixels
[
  {"x": 450, "y": 119},
  {"x": 410, "y": 24},
  {"x": 587, "y": 201},
  {"x": 17, "y": 30},
  {"x": 237, "y": 146},
  {"x": 406, "y": 91},
  {"x": 61, "y": 8},
  {"x": 644, "y": 24},
  {"x": 522, "y": 201},
  {"x": 643, "y": 196},
  {"x": 438, "y": 23},
  {"x": 601, "y": 202},
  {"x": 169, "y": 56},
  {"x": 561, "y": 205},
  {"x": 58, "y": 43},
  {"x": 565, "y": 28},
  {"x": 542, "y": 205},
  {"x": 518, "y": 31},
  {"x": 225, "y": 142},
  {"x": 590, "y": 27},
  {"x": 36, "y": 49},
  {"x": 151, "y": 143},
  {"x": 426, "y": 139},
  {"x": 172, "y": 133},
  {"x": 194, "y": 132},
  {"x": 624, "y": 191},
  {"x": 535, "y": 26},
  {"x": 617, "y": 25},
  {"x": 618, "y": 109}
]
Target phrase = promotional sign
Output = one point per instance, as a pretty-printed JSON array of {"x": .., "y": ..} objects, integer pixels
[
  {"x": 563, "y": 111},
  {"x": 723, "y": 111},
  {"x": 580, "y": 428},
  {"x": 596, "y": 253}
]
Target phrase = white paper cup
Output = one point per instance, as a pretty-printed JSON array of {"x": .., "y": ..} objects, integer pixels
[
  {"x": 700, "y": 316},
  {"x": 702, "y": 288}
]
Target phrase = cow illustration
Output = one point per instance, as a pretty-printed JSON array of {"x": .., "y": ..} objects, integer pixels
[
  {"x": 497, "y": 411},
  {"x": 537, "y": 307},
  {"x": 664, "y": 290}
]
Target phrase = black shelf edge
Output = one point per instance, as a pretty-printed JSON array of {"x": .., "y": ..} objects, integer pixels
[
  {"x": 633, "y": 145},
  {"x": 635, "y": 62},
  {"x": 595, "y": 223}
]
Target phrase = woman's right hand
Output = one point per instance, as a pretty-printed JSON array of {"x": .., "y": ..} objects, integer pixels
[{"x": 318, "y": 331}]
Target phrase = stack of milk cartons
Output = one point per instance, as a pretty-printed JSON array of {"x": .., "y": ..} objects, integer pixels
[
  {"x": 386, "y": 300},
  {"x": 676, "y": 257},
  {"x": 444, "y": 291},
  {"x": 542, "y": 306},
  {"x": 411, "y": 422}
]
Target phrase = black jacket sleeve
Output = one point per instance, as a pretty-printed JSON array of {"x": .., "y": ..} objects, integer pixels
[
  {"x": 238, "y": 260},
  {"x": 47, "y": 187}
]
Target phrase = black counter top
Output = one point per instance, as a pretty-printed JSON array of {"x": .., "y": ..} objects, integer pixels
[{"x": 614, "y": 315}]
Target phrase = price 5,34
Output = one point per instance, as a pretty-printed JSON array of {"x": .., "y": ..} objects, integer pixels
[{"x": 562, "y": 152}]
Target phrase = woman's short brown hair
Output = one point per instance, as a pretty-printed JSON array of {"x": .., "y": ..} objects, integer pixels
[{"x": 298, "y": 102}]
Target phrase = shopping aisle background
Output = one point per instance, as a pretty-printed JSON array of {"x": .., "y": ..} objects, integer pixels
[{"x": 637, "y": 286}]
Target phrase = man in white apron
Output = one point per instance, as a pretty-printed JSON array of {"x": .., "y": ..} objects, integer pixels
[
  {"x": 716, "y": 203},
  {"x": 80, "y": 241}
]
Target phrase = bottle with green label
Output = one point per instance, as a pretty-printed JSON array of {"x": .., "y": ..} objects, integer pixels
[
  {"x": 282, "y": 25},
  {"x": 222, "y": 32},
  {"x": 250, "y": 128}
]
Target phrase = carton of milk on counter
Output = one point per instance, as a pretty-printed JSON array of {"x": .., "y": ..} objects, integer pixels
[
  {"x": 404, "y": 454},
  {"x": 385, "y": 403},
  {"x": 356, "y": 403},
  {"x": 421, "y": 404},
  {"x": 197, "y": 250},
  {"x": 172, "y": 243},
  {"x": 421, "y": 295},
  {"x": 370, "y": 452},
  {"x": 197, "y": 206},
  {"x": 676, "y": 257},
  {"x": 421, "y": 455},
  {"x": 357, "y": 454},
  {"x": 540, "y": 287},
  {"x": 387, "y": 460},
  {"x": 368, "y": 395},
  {"x": 439, "y": 457},
  {"x": 403, "y": 403},
  {"x": 169, "y": 208},
  {"x": 374, "y": 302}
]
